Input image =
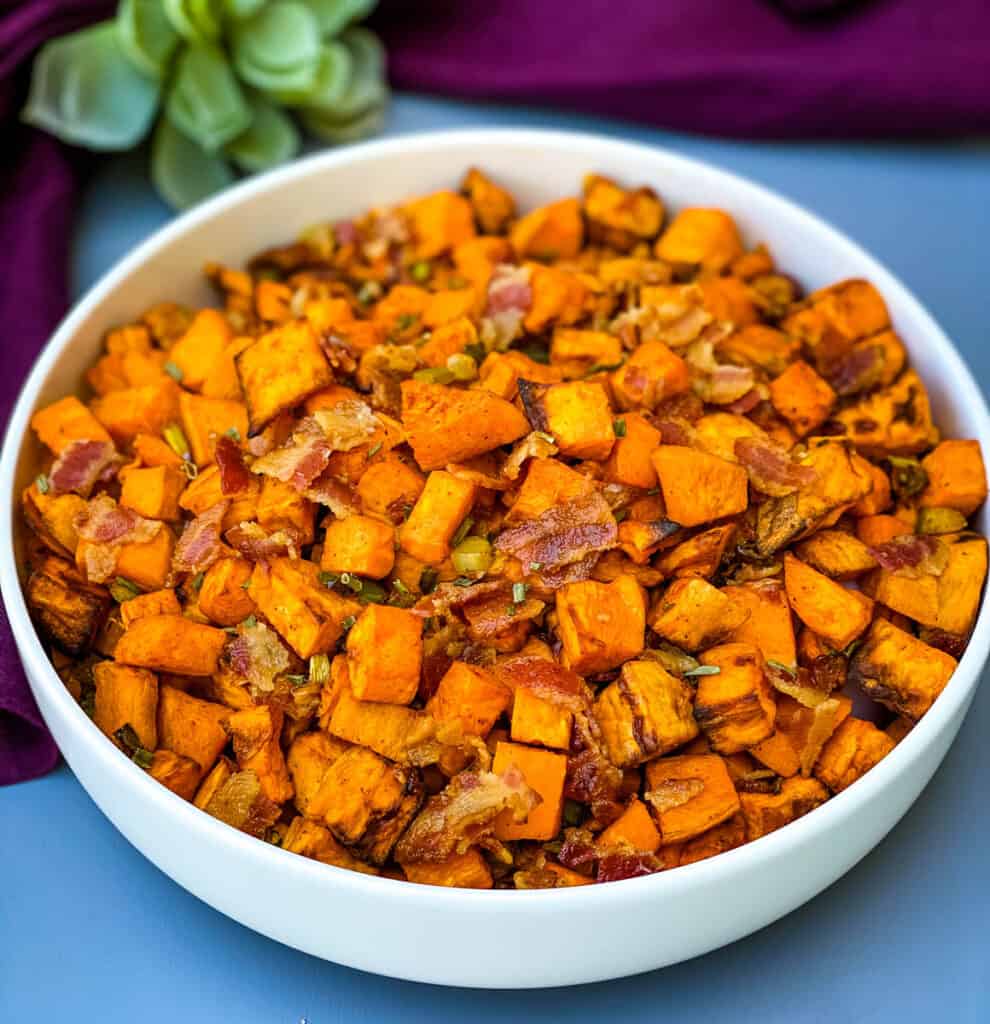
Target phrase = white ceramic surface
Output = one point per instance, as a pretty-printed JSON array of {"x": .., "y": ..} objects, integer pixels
[{"x": 485, "y": 939}]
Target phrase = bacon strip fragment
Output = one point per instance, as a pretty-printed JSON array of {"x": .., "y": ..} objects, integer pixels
[
  {"x": 199, "y": 546},
  {"x": 83, "y": 464}
]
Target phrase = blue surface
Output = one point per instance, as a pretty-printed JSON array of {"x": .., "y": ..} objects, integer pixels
[{"x": 90, "y": 931}]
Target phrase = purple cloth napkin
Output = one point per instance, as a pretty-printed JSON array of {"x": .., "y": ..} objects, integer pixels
[
  {"x": 37, "y": 197},
  {"x": 730, "y": 67}
]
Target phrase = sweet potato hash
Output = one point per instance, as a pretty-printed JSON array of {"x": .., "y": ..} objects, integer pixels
[{"x": 495, "y": 549}]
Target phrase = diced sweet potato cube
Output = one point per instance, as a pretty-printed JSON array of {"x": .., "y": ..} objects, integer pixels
[
  {"x": 312, "y": 840},
  {"x": 805, "y": 730},
  {"x": 441, "y": 507},
  {"x": 651, "y": 373},
  {"x": 894, "y": 421},
  {"x": 223, "y": 381},
  {"x": 577, "y": 414},
  {"x": 307, "y": 760},
  {"x": 256, "y": 732},
  {"x": 701, "y": 237},
  {"x": 693, "y": 614},
  {"x": 769, "y": 625},
  {"x": 238, "y": 801},
  {"x": 961, "y": 585},
  {"x": 576, "y": 352},
  {"x": 689, "y": 794},
  {"x": 837, "y": 554},
  {"x": 777, "y": 752},
  {"x": 157, "y": 602},
  {"x": 600, "y": 625},
  {"x": 389, "y": 488},
  {"x": 308, "y": 616},
  {"x": 558, "y": 298},
  {"x": 392, "y": 730},
  {"x": 699, "y": 555},
  {"x": 359, "y": 544},
  {"x": 726, "y": 836},
  {"x": 500, "y": 373},
  {"x": 766, "y": 812},
  {"x": 54, "y": 518},
  {"x": 206, "y": 419},
  {"x": 280, "y": 505},
  {"x": 153, "y": 492},
  {"x": 175, "y": 772},
  {"x": 699, "y": 487},
  {"x": 68, "y": 608},
  {"x": 540, "y": 721},
  {"x": 204, "y": 492},
  {"x": 620, "y": 217},
  {"x": 191, "y": 727},
  {"x": 451, "y": 337},
  {"x": 832, "y": 611},
  {"x": 447, "y": 307},
  {"x": 222, "y": 597},
  {"x": 717, "y": 433},
  {"x": 470, "y": 696},
  {"x": 728, "y": 300},
  {"x": 171, "y": 643},
  {"x": 280, "y": 369},
  {"x": 198, "y": 350},
  {"x": 802, "y": 397},
  {"x": 148, "y": 564},
  {"x": 445, "y": 424},
  {"x": 957, "y": 477},
  {"x": 630, "y": 462},
  {"x": 646, "y": 712},
  {"x": 544, "y": 772},
  {"x": 142, "y": 410},
  {"x": 493, "y": 206},
  {"x": 906, "y": 592},
  {"x": 878, "y": 500},
  {"x": 875, "y": 530},
  {"x": 440, "y": 222},
  {"x": 735, "y": 706},
  {"x": 853, "y": 749},
  {"x": 547, "y": 483},
  {"x": 466, "y": 870},
  {"x": 899, "y": 670},
  {"x": 385, "y": 654},
  {"x": 215, "y": 779},
  {"x": 126, "y": 696},
  {"x": 633, "y": 829},
  {"x": 366, "y": 802},
  {"x": 65, "y": 421},
  {"x": 551, "y": 232}
]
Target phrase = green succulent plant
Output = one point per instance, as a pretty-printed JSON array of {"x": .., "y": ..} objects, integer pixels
[{"x": 226, "y": 78}]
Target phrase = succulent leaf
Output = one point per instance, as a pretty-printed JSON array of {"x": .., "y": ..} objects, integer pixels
[
  {"x": 205, "y": 101},
  {"x": 271, "y": 139},
  {"x": 183, "y": 172},
  {"x": 334, "y": 16},
  {"x": 199, "y": 21},
  {"x": 278, "y": 51},
  {"x": 146, "y": 35}
]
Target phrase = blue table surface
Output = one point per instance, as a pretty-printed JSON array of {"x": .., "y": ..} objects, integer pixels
[{"x": 91, "y": 931}]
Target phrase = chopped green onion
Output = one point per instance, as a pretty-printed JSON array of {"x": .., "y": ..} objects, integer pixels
[
  {"x": 544, "y": 436},
  {"x": 462, "y": 366},
  {"x": 602, "y": 368},
  {"x": 250, "y": 622},
  {"x": 374, "y": 450},
  {"x": 464, "y": 581},
  {"x": 128, "y": 738},
  {"x": 233, "y": 433},
  {"x": 405, "y": 320},
  {"x": 538, "y": 353},
  {"x": 653, "y": 491},
  {"x": 573, "y": 813},
  {"x": 246, "y": 584},
  {"x": 399, "y": 586},
  {"x": 43, "y": 485},
  {"x": 462, "y": 531},
  {"x": 197, "y": 581},
  {"x": 122, "y": 590},
  {"x": 295, "y": 679},
  {"x": 476, "y": 351},
  {"x": 473, "y": 554},
  {"x": 619, "y": 426},
  {"x": 406, "y": 511},
  {"x": 371, "y": 592},
  {"x": 368, "y": 292},
  {"x": 421, "y": 271},
  {"x": 328, "y": 579},
  {"x": 789, "y": 670},
  {"x": 175, "y": 372},
  {"x": 428, "y": 580},
  {"x": 704, "y": 670},
  {"x": 176, "y": 440},
  {"x": 518, "y": 593},
  {"x": 535, "y": 566},
  {"x": 434, "y": 375},
  {"x": 622, "y": 515},
  {"x": 319, "y": 669},
  {"x": 348, "y": 622}
]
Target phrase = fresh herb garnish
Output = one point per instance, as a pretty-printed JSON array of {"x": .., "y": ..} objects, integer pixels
[
  {"x": 43, "y": 485},
  {"x": 518, "y": 593},
  {"x": 619, "y": 426},
  {"x": 704, "y": 670},
  {"x": 122, "y": 589},
  {"x": 788, "y": 670},
  {"x": 175, "y": 372}
]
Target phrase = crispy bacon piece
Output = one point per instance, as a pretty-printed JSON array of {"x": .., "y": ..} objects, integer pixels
[
  {"x": 563, "y": 535},
  {"x": 770, "y": 467},
  {"x": 719, "y": 383},
  {"x": 746, "y": 404},
  {"x": 926, "y": 555},
  {"x": 257, "y": 654},
  {"x": 301, "y": 459},
  {"x": 199, "y": 546},
  {"x": 509, "y": 290},
  {"x": 254, "y": 543},
  {"x": 591, "y": 777},
  {"x": 616, "y": 866},
  {"x": 535, "y": 445},
  {"x": 327, "y": 490},
  {"x": 83, "y": 464},
  {"x": 545, "y": 679},
  {"x": 234, "y": 475},
  {"x": 108, "y": 527},
  {"x": 462, "y": 813},
  {"x": 578, "y": 849},
  {"x": 857, "y": 371},
  {"x": 491, "y": 615}
]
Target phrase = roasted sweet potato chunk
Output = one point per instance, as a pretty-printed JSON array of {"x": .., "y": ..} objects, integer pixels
[
  {"x": 466, "y": 870},
  {"x": 693, "y": 614},
  {"x": 853, "y": 749},
  {"x": 469, "y": 696},
  {"x": 171, "y": 643},
  {"x": 191, "y": 727},
  {"x": 256, "y": 732},
  {"x": 601, "y": 625},
  {"x": 544, "y": 772},
  {"x": 957, "y": 477},
  {"x": 689, "y": 794},
  {"x": 385, "y": 654},
  {"x": 832, "y": 611},
  {"x": 766, "y": 812},
  {"x": 701, "y": 237},
  {"x": 576, "y": 414},
  {"x": 698, "y": 487},
  {"x": 735, "y": 705},
  {"x": 768, "y": 624},
  {"x": 67, "y": 607},
  {"x": 439, "y": 511},
  {"x": 126, "y": 696}
]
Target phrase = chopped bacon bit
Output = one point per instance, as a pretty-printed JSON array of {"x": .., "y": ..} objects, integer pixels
[
  {"x": 578, "y": 849},
  {"x": 616, "y": 866},
  {"x": 591, "y": 777},
  {"x": 564, "y": 534},
  {"x": 676, "y": 432},
  {"x": 347, "y": 424},
  {"x": 257, "y": 654},
  {"x": 746, "y": 404},
  {"x": 770, "y": 466},
  {"x": 345, "y": 232},
  {"x": 463, "y": 813},
  {"x": 300, "y": 460},
  {"x": 927, "y": 555},
  {"x": 234, "y": 476},
  {"x": 534, "y": 445},
  {"x": 545, "y": 679},
  {"x": 107, "y": 527},
  {"x": 335, "y": 494},
  {"x": 858, "y": 370},
  {"x": 509, "y": 290},
  {"x": 492, "y": 615},
  {"x": 83, "y": 464},
  {"x": 730, "y": 383},
  {"x": 199, "y": 546},
  {"x": 673, "y": 793},
  {"x": 251, "y": 540}
]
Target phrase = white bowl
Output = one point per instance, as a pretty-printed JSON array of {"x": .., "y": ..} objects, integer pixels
[{"x": 460, "y": 937}]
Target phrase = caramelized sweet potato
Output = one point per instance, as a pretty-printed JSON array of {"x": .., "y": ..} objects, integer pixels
[
  {"x": 434, "y": 519},
  {"x": 385, "y": 654},
  {"x": 698, "y": 487},
  {"x": 693, "y": 614},
  {"x": 689, "y": 794},
  {"x": 734, "y": 706},
  {"x": 766, "y": 812},
  {"x": 68, "y": 608},
  {"x": 854, "y": 748},
  {"x": 544, "y": 772},
  {"x": 700, "y": 237},
  {"x": 171, "y": 643},
  {"x": 600, "y": 625},
  {"x": 126, "y": 696},
  {"x": 832, "y": 611},
  {"x": 191, "y": 727}
]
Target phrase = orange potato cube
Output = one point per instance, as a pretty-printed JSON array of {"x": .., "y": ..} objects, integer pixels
[
  {"x": 65, "y": 421},
  {"x": 153, "y": 492},
  {"x": 766, "y": 812},
  {"x": 439, "y": 510},
  {"x": 223, "y": 381},
  {"x": 440, "y": 222},
  {"x": 544, "y": 772},
  {"x": 141, "y": 410},
  {"x": 547, "y": 483},
  {"x": 957, "y": 477},
  {"x": 699, "y": 487},
  {"x": 802, "y": 397},
  {"x": 360, "y": 545},
  {"x": 198, "y": 350},
  {"x": 449, "y": 339},
  {"x": 852, "y": 750},
  {"x": 385, "y": 654},
  {"x": 466, "y": 870},
  {"x": 551, "y": 232},
  {"x": 256, "y": 732},
  {"x": 158, "y": 602},
  {"x": 126, "y": 696},
  {"x": 702, "y": 237},
  {"x": 633, "y": 829},
  {"x": 206, "y": 419},
  {"x": 191, "y": 727},
  {"x": 692, "y": 614},
  {"x": 689, "y": 794},
  {"x": 175, "y": 772},
  {"x": 470, "y": 696},
  {"x": 222, "y": 596},
  {"x": 307, "y": 760},
  {"x": 651, "y": 373},
  {"x": 390, "y": 487},
  {"x": 576, "y": 352},
  {"x": 735, "y": 706},
  {"x": 828, "y": 608},
  {"x": 874, "y": 530},
  {"x": 630, "y": 461},
  {"x": 171, "y": 643},
  {"x": 500, "y": 373},
  {"x": 558, "y": 298},
  {"x": 878, "y": 500},
  {"x": 579, "y": 417},
  {"x": 600, "y": 625},
  {"x": 149, "y": 564},
  {"x": 768, "y": 625},
  {"x": 280, "y": 505},
  {"x": 540, "y": 721}
]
